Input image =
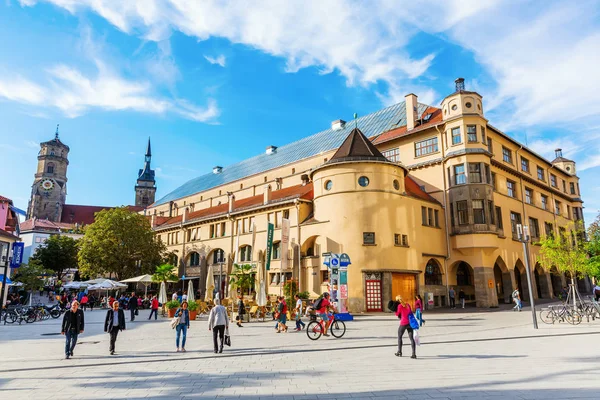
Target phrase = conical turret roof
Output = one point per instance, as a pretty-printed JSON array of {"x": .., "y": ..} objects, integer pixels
[{"x": 357, "y": 147}]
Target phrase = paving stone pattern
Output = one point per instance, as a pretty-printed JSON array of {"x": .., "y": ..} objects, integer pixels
[{"x": 465, "y": 355}]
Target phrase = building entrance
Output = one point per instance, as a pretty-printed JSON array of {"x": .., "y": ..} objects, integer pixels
[{"x": 405, "y": 286}]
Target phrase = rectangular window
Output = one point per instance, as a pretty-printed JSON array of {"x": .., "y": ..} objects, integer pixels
[
  {"x": 487, "y": 173},
  {"x": 534, "y": 228},
  {"x": 405, "y": 240},
  {"x": 472, "y": 133},
  {"x": 223, "y": 225},
  {"x": 397, "y": 239},
  {"x": 459, "y": 174},
  {"x": 393, "y": 155},
  {"x": 524, "y": 164},
  {"x": 572, "y": 187},
  {"x": 528, "y": 195},
  {"x": 452, "y": 222},
  {"x": 515, "y": 219},
  {"x": 540, "y": 172},
  {"x": 544, "y": 202},
  {"x": 568, "y": 211},
  {"x": 549, "y": 229},
  {"x": 426, "y": 147},
  {"x": 511, "y": 188},
  {"x": 553, "y": 180},
  {"x": 463, "y": 214},
  {"x": 507, "y": 155},
  {"x": 491, "y": 212},
  {"x": 498, "y": 217},
  {"x": 564, "y": 186},
  {"x": 493, "y": 180},
  {"x": 475, "y": 172},
  {"x": 368, "y": 237},
  {"x": 430, "y": 216},
  {"x": 424, "y": 215},
  {"x": 212, "y": 231},
  {"x": 483, "y": 135},
  {"x": 436, "y": 216},
  {"x": 490, "y": 145},
  {"x": 478, "y": 211},
  {"x": 456, "y": 139},
  {"x": 557, "y": 207}
]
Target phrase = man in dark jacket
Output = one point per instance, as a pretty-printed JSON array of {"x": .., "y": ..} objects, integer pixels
[
  {"x": 72, "y": 325},
  {"x": 133, "y": 305},
  {"x": 114, "y": 322}
]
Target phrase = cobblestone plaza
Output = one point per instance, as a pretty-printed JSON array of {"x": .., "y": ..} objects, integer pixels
[{"x": 472, "y": 355}]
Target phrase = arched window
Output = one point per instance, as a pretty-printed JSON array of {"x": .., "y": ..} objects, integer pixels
[
  {"x": 174, "y": 259},
  {"x": 218, "y": 256},
  {"x": 463, "y": 277},
  {"x": 246, "y": 253},
  {"x": 433, "y": 275},
  {"x": 194, "y": 259},
  {"x": 276, "y": 250},
  {"x": 50, "y": 168}
]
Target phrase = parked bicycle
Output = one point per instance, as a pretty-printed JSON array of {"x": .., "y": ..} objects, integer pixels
[
  {"x": 316, "y": 328},
  {"x": 560, "y": 313}
]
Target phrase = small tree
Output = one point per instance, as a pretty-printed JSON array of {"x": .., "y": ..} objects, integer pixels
[
  {"x": 241, "y": 277},
  {"x": 593, "y": 248},
  {"x": 31, "y": 275},
  {"x": 566, "y": 256},
  {"x": 164, "y": 273},
  {"x": 57, "y": 254}
]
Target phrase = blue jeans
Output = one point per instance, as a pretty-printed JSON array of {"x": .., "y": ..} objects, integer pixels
[
  {"x": 155, "y": 312},
  {"x": 71, "y": 341},
  {"x": 419, "y": 316},
  {"x": 180, "y": 328},
  {"x": 299, "y": 321}
]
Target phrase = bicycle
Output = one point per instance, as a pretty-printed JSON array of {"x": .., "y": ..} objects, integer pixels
[
  {"x": 560, "y": 313},
  {"x": 315, "y": 329}
]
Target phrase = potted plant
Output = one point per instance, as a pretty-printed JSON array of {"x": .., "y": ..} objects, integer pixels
[
  {"x": 241, "y": 279},
  {"x": 172, "y": 306},
  {"x": 193, "y": 309}
]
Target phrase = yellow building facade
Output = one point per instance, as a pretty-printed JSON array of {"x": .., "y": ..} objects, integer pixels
[{"x": 421, "y": 198}]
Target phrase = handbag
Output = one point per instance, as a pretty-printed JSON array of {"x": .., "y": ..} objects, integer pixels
[
  {"x": 227, "y": 339},
  {"x": 175, "y": 321},
  {"x": 413, "y": 321},
  {"x": 417, "y": 338}
]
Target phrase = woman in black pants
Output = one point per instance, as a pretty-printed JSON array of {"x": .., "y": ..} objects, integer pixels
[{"x": 402, "y": 312}]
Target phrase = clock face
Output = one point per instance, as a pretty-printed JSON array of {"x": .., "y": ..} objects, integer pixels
[{"x": 47, "y": 184}]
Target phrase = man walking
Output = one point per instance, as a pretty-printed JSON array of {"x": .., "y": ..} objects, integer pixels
[
  {"x": 153, "y": 308},
  {"x": 133, "y": 306},
  {"x": 517, "y": 299},
  {"x": 218, "y": 322},
  {"x": 114, "y": 322},
  {"x": 299, "y": 324},
  {"x": 461, "y": 297},
  {"x": 452, "y": 296},
  {"x": 72, "y": 325}
]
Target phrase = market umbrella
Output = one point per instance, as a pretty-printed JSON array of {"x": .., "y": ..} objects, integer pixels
[
  {"x": 95, "y": 281},
  {"x": 191, "y": 297},
  {"x": 107, "y": 284},
  {"x": 210, "y": 284},
  {"x": 145, "y": 280},
  {"x": 75, "y": 285},
  {"x": 261, "y": 299},
  {"x": 162, "y": 294}
]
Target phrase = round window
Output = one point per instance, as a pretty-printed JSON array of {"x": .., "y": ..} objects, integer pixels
[
  {"x": 454, "y": 107},
  {"x": 468, "y": 105},
  {"x": 568, "y": 168},
  {"x": 363, "y": 181},
  {"x": 396, "y": 184},
  {"x": 328, "y": 185}
]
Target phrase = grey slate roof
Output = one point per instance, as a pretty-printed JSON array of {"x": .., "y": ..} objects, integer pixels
[{"x": 371, "y": 125}]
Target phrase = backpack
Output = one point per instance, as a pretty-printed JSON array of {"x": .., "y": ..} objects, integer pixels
[
  {"x": 392, "y": 305},
  {"x": 285, "y": 310},
  {"x": 318, "y": 303}
]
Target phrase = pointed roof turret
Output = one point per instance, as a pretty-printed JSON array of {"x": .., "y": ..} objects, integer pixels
[
  {"x": 357, "y": 147},
  {"x": 148, "y": 151},
  {"x": 56, "y": 141},
  {"x": 147, "y": 173}
]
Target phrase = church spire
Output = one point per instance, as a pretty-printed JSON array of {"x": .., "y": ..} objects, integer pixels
[
  {"x": 146, "y": 173},
  {"x": 56, "y": 134},
  {"x": 148, "y": 151}
]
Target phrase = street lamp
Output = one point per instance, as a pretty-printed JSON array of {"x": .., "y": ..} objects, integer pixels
[{"x": 523, "y": 231}]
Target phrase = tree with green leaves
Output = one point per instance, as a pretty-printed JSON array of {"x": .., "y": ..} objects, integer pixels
[
  {"x": 165, "y": 273},
  {"x": 31, "y": 275},
  {"x": 58, "y": 253},
  {"x": 566, "y": 255},
  {"x": 242, "y": 277},
  {"x": 120, "y": 244},
  {"x": 593, "y": 248}
]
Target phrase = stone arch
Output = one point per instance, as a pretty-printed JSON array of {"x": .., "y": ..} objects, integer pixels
[
  {"x": 521, "y": 279},
  {"x": 503, "y": 281},
  {"x": 557, "y": 281},
  {"x": 310, "y": 248},
  {"x": 215, "y": 256},
  {"x": 542, "y": 282},
  {"x": 193, "y": 259},
  {"x": 433, "y": 273},
  {"x": 465, "y": 280}
]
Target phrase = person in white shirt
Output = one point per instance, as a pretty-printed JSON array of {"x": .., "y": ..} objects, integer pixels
[
  {"x": 174, "y": 297},
  {"x": 218, "y": 322},
  {"x": 184, "y": 297},
  {"x": 299, "y": 324}
]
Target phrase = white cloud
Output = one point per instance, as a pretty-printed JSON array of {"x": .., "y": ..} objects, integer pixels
[
  {"x": 21, "y": 90},
  {"x": 219, "y": 60},
  {"x": 32, "y": 143}
]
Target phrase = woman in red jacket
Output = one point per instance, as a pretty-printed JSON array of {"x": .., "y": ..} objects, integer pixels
[{"x": 403, "y": 312}]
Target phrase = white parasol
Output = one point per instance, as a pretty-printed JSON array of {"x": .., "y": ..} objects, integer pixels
[
  {"x": 107, "y": 284},
  {"x": 75, "y": 285},
  {"x": 162, "y": 294},
  {"x": 95, "y": 281},
  {"x": 261, "y": 299},
  {"x": 191, "y": 297},
  {"x": 210, "y": 284},
  {"x": 145, "y": 280}
]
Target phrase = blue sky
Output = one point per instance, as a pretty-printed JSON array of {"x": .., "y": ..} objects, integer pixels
[{"x": 212, "y": 84}]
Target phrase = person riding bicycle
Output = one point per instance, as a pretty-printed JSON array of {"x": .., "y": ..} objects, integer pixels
[{"x": 325, "y": 305}]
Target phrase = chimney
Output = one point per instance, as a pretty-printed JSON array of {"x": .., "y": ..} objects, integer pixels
[
  {"x": 186, "y": 213},
  {"x": 217, "y": 169},
  {"x": 153, "y": 220},
  {"x": 305, "y": 180},
  {"x": 338, "y": 124},
  {"x": 459, "y": 84},
  {"x": 271, "y": 149},
  {"x": 279, "y": 183},
  {"x": 267, "y": 194},
  {"x": 231, "y": 200},
  {"x": 558, "y": 153},
  {"x": 411, "y": 110}
]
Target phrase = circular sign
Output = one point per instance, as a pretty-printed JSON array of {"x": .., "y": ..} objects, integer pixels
[
  {"x": 335, "y": 262},
  {"x": 47, "y": 184}
]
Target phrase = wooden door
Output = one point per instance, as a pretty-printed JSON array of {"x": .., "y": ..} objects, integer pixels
[
  {"x": 405, "y": 286},
  {"x": 373, "y": 287}
]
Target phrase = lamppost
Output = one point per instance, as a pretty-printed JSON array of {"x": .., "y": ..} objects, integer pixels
[
  {"x": 523, "y": 231},
  {"x": 221, "y": 262}
]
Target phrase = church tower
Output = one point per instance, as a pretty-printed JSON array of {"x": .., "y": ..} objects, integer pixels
[
  {"x": 145, "y": 189},
  {"x": 49, "y": 189}
]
